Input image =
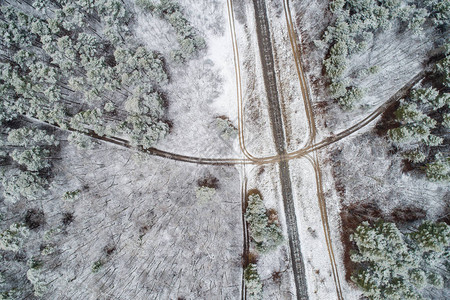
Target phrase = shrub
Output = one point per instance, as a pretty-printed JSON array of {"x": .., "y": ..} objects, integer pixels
[
  {"x": 97, "y": 266},
  {"x": 226, "y": 128},
  {"x": 71, "y": 195},
  {"x": 253, "y": 283},
  {"x": 204, "y": 193}
]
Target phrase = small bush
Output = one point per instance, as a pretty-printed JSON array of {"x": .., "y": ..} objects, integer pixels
[
  {"x": 204, "y": 193},
  {"x": 71, "y": 195},
  {"x": 226, "y": 129},
  {"x": 253, "y": 283},
  {"x": 97, "y": 266}
]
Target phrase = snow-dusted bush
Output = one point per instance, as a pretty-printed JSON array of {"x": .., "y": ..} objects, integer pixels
[
  {"x": 204, "y": 193},
  {"x": 48, "y": 249},
  {"x": 12, "y": 239},
  {"x": 267, "y": 236},
  {"x": 97, "y": 266},
  {"x": 49, "y": 234},
  {"x": 253, "y": 284},
  {"x": 71, "y": 195},
  {"x": 226, "y": 128},
  {"x": 397, "y": 266},
  {"x": 35, "y": 276}
]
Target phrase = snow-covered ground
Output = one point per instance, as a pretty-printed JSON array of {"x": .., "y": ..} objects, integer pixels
[
  {"x": 162, "y": 242},
  {"x": 201, "y": 89}
]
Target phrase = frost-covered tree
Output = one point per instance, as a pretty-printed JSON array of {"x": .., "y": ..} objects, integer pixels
[
  {"x": 136, "y": 64},
  {"x": 417, "y": 19},
  {"x": 31, "y": 144},
  {"x": 431, "y": 97},
  {"x": 189, "y": 40},
  {"x": 34, "y": 158},
  {"x": 352, "y": 96},
  {"x": 145, "y": 101},
  {"x": 408, "y": 113},
  {"x": 439, "y": 169},
  {"x": 31, "y": 137},
  {"x": 20, "y": 184},
  {"x": 439, "y": 11},
  {"x": 90, "y": 119},
  {"x": 82, "y": 141},
  {"x": 338, "y": 88},
  {"x": 253, "y": 284},
  {"x": 144, "y": 131},
  {"x": 415, "y": 156},
  {"x": 355, "y": 24},
  {"x": 446, "y": 120},
  {"x": 415, "y": 125},
  {"x": 267, "y": 236},
  {"x": 12, "y": 239},
  {"x": 397, "y": 266}
]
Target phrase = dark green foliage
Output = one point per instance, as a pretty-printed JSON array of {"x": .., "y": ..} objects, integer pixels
[
  {"x": 267, "y": 236},
  {"x": 394, "y": 265}
]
